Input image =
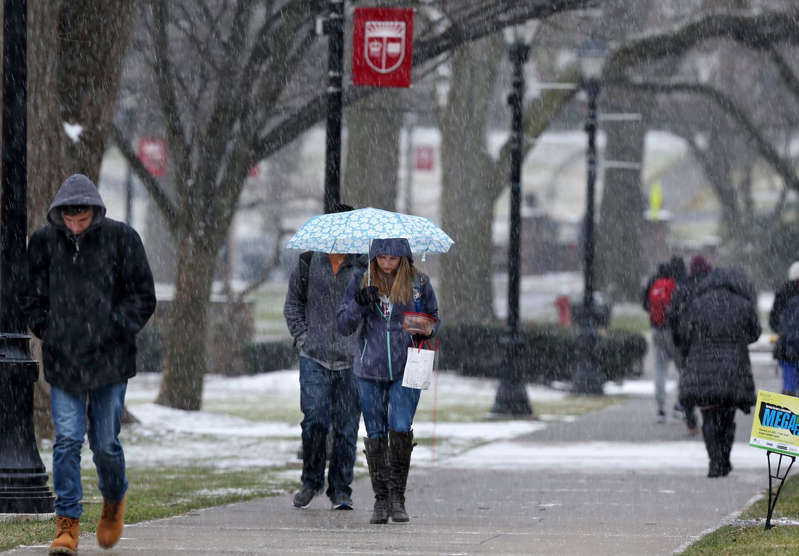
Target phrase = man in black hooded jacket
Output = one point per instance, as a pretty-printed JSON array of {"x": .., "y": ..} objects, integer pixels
[{"x": 90, "y": 291}]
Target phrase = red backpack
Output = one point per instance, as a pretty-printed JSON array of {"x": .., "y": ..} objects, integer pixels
[{"x": 659, "y": 298}]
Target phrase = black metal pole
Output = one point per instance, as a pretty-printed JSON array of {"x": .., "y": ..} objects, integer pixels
[
  {"x": 511, "y": 397},
  {"x": 14, "y": 203},
  {"x": 334, "y": 28},
  {"x": 587, "y": 378},
  {"x": 23, "y": 477}
]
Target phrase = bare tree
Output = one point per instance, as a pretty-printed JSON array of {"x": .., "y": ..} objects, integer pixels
[{"x": 226, "y": 76}]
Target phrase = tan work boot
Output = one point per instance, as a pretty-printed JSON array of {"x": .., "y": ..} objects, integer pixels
[
  {"x": 109, "y": 529},
  {"x": 67, "y": 530}
]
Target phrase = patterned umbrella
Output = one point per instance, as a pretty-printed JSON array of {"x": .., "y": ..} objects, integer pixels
[{"x": 352, "y": 231}]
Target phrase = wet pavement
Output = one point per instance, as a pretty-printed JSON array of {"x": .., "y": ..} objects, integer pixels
[{"x": 605, "y": 483}]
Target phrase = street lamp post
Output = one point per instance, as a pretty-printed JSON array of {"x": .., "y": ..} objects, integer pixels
[
  {"x": 23, "y": 477},
  {"x": 587, "y": 377},
  {"x": 129, "y": 115},
  {"x": 334, "y": 28},
  {"x": 511, "y": 397}
]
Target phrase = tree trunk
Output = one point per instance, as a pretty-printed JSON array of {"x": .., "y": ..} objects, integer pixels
[
  {"x": 185, "y": 361},
  {"x": 619, "y": 262},
  {"x": 618, "y": 247},
  {"x": 373, "y": 147},
  {"x": 468, "y": 194}
]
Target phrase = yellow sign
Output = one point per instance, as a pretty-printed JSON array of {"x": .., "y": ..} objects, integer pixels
[
  {"x": 655, "y": 199},
  {"x": 775, "y": 426}
]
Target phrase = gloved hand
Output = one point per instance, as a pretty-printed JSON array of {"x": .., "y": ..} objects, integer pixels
[
  {"x": 366, "y": 296},
  {"x": 419, "y": 338}
]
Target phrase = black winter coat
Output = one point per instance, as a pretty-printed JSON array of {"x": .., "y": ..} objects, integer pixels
[
  {"x": 787, "y": 291},
  {"x": 87, "y": 298},
  {"x": 717, "y": 324}
]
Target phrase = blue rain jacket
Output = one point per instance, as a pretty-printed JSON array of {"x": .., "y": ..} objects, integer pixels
[{"x": 382, "y": 344}]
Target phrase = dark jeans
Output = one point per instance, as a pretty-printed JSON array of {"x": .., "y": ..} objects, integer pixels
[
  {"x": 328, "y": 398},
  {"x": 387, "y": 406},
  {"x": 105, "y": 421}
]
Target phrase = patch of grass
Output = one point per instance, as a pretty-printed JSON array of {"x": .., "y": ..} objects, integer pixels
[
  {"x": 269, "y": 409},
  {"x": 787, "y": 504},
  {"x": 158, "y": 493},
  {"x": 452, "y": 413},
  {"x": 631, "y": 322},
  {"x": 736, "y": 540},
  {"x": 269, "y": 320},
  {"x": 753, "y": 539}
]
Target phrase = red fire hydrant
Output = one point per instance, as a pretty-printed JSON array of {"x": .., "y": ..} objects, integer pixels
[{"x": 564, "y": 306}]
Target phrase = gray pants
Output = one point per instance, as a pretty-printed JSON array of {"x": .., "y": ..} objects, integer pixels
[{"x": 664, "y": 352}]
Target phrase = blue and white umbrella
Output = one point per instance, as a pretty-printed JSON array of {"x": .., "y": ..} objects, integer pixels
[{"x": 352, "y": 232}]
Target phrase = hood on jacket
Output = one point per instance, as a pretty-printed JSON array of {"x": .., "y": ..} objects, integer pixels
[
  {"x": 77, "y": 189},
  {"x": 732, "y": 279},
  {"x": 395, "y": 247}
]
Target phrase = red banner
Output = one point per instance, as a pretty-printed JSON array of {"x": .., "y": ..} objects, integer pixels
[
  {"x": 424, "y": 158},
  {"x": 382, "y": 47},
  {"x": 152, "y": 153}
]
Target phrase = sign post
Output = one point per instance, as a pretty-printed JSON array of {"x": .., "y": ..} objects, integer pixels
[{"x": 775, "y": 428}]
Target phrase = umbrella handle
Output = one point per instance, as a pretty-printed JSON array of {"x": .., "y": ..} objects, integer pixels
[{"x": 369, "y": 266}]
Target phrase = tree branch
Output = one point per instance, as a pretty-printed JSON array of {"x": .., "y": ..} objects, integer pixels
[
  {"x": 758, "y": 32},
  {"x": 163, "y": 77},
  {"x": 783, "y": 167},
  {"x": 479, "y": 25},
  {"x": 785, "y": 70}
]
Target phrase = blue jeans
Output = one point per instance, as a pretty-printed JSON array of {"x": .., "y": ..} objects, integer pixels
[
  {"x": 328, "y": 398},
  {"x": 387, "y": 406},
  {"x": 789, "y": 378},
  {"x": 105, "y": 420}
]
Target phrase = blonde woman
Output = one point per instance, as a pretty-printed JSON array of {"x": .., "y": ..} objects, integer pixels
[{"x": 374, "y": 304}]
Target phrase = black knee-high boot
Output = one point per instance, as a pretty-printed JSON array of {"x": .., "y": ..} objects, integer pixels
[
  {"x": 727, "y": 437},
  {"x": 377, "y": 459},
  {"x": 400, "y": 446},
  {"x": 718, "y": 429}
]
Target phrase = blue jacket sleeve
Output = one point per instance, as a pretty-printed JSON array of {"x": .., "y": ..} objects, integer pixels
[{"x": 430, "y": 304}]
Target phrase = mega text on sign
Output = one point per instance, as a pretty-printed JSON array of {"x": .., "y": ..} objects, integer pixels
[{"x": 382, "y": 47}]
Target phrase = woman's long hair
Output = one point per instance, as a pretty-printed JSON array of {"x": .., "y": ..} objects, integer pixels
[{"x": 398, "y": 287}]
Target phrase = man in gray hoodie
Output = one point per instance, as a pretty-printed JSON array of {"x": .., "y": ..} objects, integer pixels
[
  {"x": 89, "y": 293},
  {"x": 328, "y": 392}
]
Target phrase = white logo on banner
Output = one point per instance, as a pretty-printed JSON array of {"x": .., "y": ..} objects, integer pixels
[{"x": 384, "y": 45}]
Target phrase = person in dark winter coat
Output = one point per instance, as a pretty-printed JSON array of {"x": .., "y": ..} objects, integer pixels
[
  {"x": 716, "y": 326},
  {"x": 782, "y": 319},
  {"x": 328, "y": 392},
  {"x": 699, "y": 268},
  {"x": 373, "y": 306},
  {"x": 90, "y": 292}
]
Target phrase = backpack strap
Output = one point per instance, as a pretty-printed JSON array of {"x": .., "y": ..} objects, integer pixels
[{"x": 305, "y": 268}]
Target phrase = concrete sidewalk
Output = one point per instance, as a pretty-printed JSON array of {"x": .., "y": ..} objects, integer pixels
[{"x": 574, "y": 505}]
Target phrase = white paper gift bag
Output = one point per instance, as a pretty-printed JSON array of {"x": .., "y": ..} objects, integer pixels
[{"x": 419, "y": 368}]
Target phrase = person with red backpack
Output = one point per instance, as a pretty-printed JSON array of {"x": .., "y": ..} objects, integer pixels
[{"x": 656, "y": 298}]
